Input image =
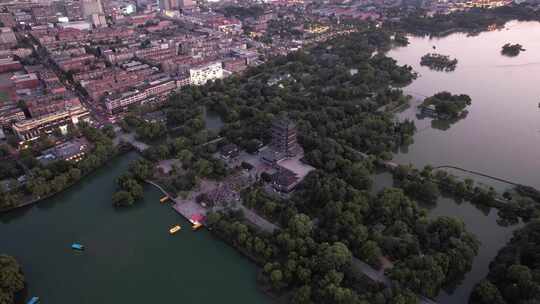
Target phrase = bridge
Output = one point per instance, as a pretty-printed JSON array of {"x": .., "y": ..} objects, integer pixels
[
  {"x": 415, "y": 93},
  {"x": 479, "y": 174}
]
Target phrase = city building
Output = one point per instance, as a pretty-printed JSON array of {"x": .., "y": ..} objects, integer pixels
[
  {"x": 284, "y": 180},
  {"x": 229, "y": 151},
  {"x": 98, "y": 20},
  {"x": 9, "y": 65},
  {"x": 153, "y": 90},
  {"x": 168, "y": 5},
  {"x": 186, "y": 4},
  {"x": 77, "y": 25},
  {"x": 201, "y": 74},
  {"x": 73, "y": 10},
  {"x": 90, "y": 7},
  {"x": 7, "y": 37},
  {"x": 73, "y": 150},
  {"x": 32, "y": 129},
  {"x": 10, "y": 114}
]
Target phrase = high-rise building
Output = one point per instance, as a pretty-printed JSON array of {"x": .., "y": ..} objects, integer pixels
[
  {"x": 186, "y": 4},
  {"x": 73, "y": 10},
  {"x": 91, "y": 7},
  {"x": 168, "y": 5},
  {"x": 99, "y": 20}
]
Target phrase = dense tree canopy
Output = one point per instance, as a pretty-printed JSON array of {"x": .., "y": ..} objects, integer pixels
[
  {"x": 11, "y": 279},
  {"x": 447, "y": 105},
  {"x": 514, "y": 275},
  {"x": 473, "y": 20}
]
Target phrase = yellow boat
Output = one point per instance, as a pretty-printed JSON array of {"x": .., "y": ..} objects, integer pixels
[
  {"x": 175, "y": 229},
  {"x": 196, "y": 226},
  {"x": 163, "y": 199}
]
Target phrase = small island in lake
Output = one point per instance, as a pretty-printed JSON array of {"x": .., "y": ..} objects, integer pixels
[
  {"x": 11, "y": 278},
  {"x": 400, "y": 39},
  {"x": 446, "y": 106},
  {"x": 512, "y": 50},
  {"x": 438, "y": 62}
]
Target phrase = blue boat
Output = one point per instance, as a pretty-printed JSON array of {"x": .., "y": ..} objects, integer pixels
[
  {"x": 33, "y": 300},
  {"x": 77, "y": 246}
]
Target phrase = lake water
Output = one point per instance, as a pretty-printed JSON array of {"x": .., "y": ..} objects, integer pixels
[
  {"x": 480, "y": 222},
  {"x": 499, "y": 137},
  {"x": 501, "y": 134},
  {"x": 212, "y": 120},
  {"x": 130, "y": 256}
]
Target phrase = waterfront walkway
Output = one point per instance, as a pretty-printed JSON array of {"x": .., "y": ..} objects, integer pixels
[{"x": 479, "y": 174}]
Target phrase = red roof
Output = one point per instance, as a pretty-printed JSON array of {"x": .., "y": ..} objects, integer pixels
[{"x": 197, "y": 218}]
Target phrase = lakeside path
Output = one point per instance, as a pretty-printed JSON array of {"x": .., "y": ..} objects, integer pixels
[
  {"x": 257, "y": 220},
  {"x": 188, "y": 207}
]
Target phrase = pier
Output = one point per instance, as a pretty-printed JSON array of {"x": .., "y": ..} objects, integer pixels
[{"x": 187, "y": 208}]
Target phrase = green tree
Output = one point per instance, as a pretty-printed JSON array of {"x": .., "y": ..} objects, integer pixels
[{"x": 11, "y": 279}]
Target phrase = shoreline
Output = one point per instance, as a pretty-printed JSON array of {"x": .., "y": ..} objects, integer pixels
[{"x": 34, "y": 201}]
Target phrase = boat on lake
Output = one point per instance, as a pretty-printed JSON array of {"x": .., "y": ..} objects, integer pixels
[
  {"x": 33, "y": 300},
  {"x": 163, "y": 199},
  {"x": 175, "y": 229},
  {"x": 77, "y": 246},
  {"x": 196, "y": 226}
]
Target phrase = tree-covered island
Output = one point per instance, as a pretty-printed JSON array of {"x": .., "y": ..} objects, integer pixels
[
  {"x": 512, "y": 50},
  {"x": 468, "y": 21},
  {"x": 400, "y": 39},
  {"x": 446, "y": 106},
  {"x": 439, "y": 62},
  {"x": 11, "y": 279},
  {"x": 514, "y": 274}
]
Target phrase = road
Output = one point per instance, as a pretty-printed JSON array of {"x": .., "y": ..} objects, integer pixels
[
  {"x": 257, "y": 220},
  {"x": 372, "y": 273},
  {"x": 379, "y": 276}
]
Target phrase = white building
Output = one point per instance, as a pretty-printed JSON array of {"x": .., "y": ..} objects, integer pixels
[
  {"x": 201, "y": 74},
  {"x": 99, "y": 20},
  {"x": 79, "y": 25}
]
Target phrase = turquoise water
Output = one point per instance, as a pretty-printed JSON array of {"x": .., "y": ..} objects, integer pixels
[{"x": 130, "y": 256}]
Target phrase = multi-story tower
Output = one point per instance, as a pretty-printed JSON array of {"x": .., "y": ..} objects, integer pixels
[
  {"x": 284, "y": 137},
  {"x": 186, "y": 4},
  {"x": 168, "y": 5},
  {"x": 73, "y": 10}
]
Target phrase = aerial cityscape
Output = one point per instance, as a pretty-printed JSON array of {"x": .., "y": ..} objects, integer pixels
[{"x": 278, "y": 151}]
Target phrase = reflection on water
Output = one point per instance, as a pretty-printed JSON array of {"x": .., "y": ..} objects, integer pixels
[
  {"x": 130, "y": 256},
  {"x": 501, "y": 134},
  {"x": 212, "y": 120},
  {"x": 480, "y": 221}
]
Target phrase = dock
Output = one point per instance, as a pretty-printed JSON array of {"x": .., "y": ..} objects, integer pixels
[{"x": 188, "y": 209}]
